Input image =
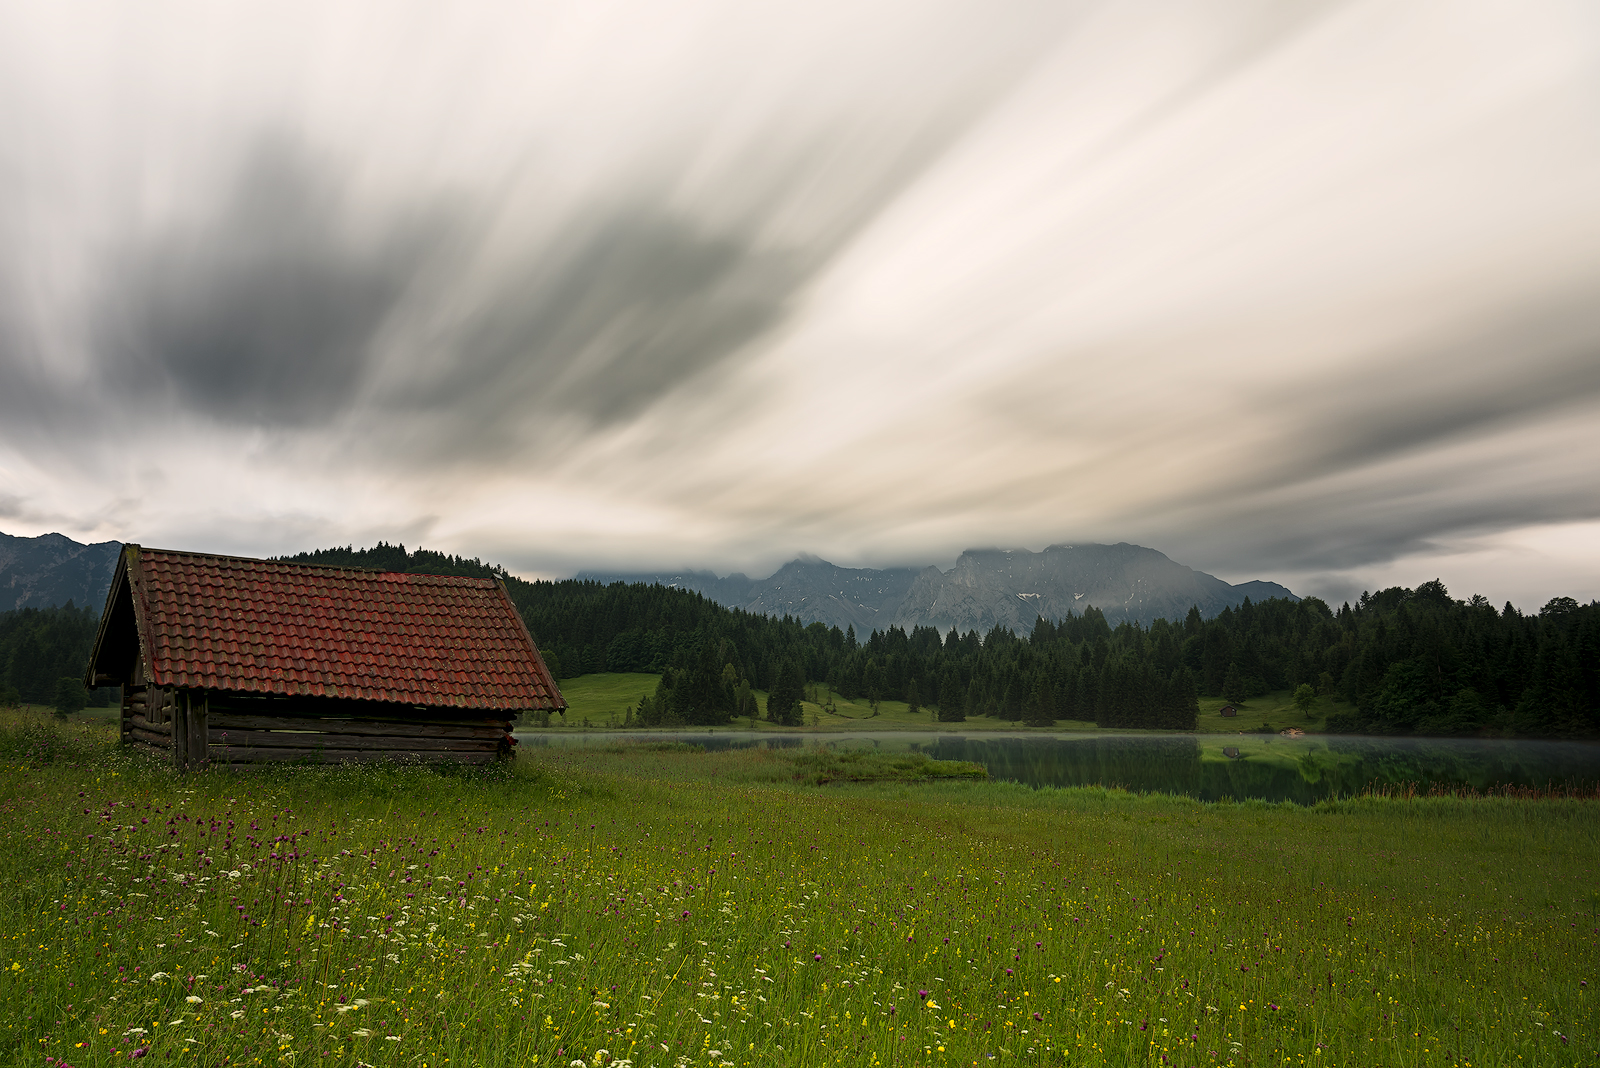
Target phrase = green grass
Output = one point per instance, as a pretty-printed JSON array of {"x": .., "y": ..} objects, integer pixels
[
  {"x": 603, "y": 698},
  {"x": 678, "y": 908},
  {"x": 819, "y": 767},
  {"x": 1276, "y": 709}
]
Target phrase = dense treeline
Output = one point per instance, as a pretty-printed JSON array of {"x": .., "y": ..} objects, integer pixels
[
  {"x": 386, "y": 557},
  {"x": 1408, "y": 661},
  {"x": 1405, "y": 661},
  {"x": 43, "y": 652},
  {"x": 1415, "y": 661}
]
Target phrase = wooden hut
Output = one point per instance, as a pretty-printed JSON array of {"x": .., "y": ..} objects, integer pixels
[
  {"x": 228, "y": 660},
  {"x": 1229, "y": 711}
]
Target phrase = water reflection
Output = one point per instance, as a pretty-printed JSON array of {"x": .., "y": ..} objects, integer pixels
[{"x": 1209, "y": 767}]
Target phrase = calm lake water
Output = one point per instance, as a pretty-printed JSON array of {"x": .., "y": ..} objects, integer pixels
[{"x": 1206, "y": 766}]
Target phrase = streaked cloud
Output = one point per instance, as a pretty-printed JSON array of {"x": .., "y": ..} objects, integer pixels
[{"x": 1296, "y": 292}]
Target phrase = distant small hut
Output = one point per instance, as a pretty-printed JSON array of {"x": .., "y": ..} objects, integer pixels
[
  {"x": 229, "y": 660},
  {"x": 1229, "y": 711}
]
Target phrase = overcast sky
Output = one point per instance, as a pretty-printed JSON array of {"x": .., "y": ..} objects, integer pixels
[{"x": 1304, "y": 291}]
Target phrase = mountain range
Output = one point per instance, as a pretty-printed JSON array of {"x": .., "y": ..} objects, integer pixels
[
  {"x": 985, "y": 588},
  {"x": 52, "y": 569}
]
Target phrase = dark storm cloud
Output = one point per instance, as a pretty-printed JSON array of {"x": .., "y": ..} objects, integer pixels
[
  {"x": 1546, "y": 360},
  {"x": 1373, "y": 443},
  {"x": 271, "y": 311},
  {"x": 265, "y": 313},
  {"x": 609, "y": 317},
  {"x": 1377, "y": 526}
]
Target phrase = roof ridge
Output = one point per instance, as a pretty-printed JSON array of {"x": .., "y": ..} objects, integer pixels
[{"x": 146, "y": 550}]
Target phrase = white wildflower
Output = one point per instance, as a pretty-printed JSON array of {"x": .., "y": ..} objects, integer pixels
[{"x": 194, "y": 1000}]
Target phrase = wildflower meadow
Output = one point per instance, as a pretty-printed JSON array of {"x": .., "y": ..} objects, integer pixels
[{"x": 672, "y": 908}]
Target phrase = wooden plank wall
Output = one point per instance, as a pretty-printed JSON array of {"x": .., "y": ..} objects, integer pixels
[
  {"x": 250, "y": 735},
  {"x": 194, "y": 729}
]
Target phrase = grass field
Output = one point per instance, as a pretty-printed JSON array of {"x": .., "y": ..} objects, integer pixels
[
  {"x": 1276, "y": 709},
  {"x": 663, "y": 906},
  {"x": 601, "y": 701}
]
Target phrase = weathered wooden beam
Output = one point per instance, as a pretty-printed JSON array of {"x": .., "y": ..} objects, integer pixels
[
  {"x": 223, "y": 755},
  {"x": 177, "y": 712},
  {"x": 196, "y": 736},
  {"x": 161, "y": 740},
  {"x": 375, "y": 728},
  {"x": 319, "y": 740},
  {"x": 140, "y": 722},
  {"x": 237, "y": 706}
]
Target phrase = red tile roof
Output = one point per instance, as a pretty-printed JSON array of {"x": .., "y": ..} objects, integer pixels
[{"x": 266, "y": 626}]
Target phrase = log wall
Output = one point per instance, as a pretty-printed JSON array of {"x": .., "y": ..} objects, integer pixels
[
  {"x": 233, "y": 738},
  {"x": 195, "y": 729}
]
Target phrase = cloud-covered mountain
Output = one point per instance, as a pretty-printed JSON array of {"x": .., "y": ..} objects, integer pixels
[
  {"x": 985, "y": 588},
  {"x": 52, "y": 569},
  {"x": 807, "y": 588}
]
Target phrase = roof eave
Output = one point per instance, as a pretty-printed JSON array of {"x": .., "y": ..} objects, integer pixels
[
  {"x": 126, "y": 564},
  {"x": 560, "y": 702}
]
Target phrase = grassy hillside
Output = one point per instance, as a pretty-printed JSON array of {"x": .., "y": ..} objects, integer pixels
[
  {"x": 603, "y": 699},
  {"x": 1276, "y": 709}
]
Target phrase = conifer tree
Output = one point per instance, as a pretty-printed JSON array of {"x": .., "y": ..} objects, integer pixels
[
  {"x": 783, "y": 701},
  {"x": 952, "y": 696},
  {"x": 1040, "y": 709},
  {"x": 1185, "y": 701},
  {"x": 70, "y": 696},
  {"x": 1233, "y": 684}
]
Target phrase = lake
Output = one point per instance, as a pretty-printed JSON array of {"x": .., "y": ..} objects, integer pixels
[{"x": 1205, "y": 766}]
